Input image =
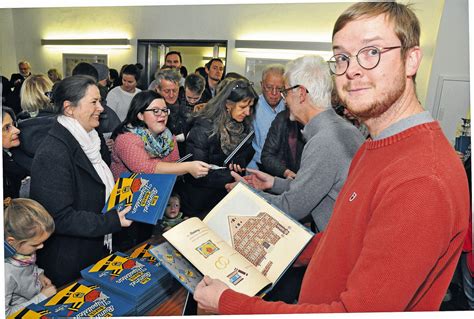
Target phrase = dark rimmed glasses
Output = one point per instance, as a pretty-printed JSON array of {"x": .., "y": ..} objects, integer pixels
[
  {"x": 284, "y": 92},
  {"x": 159, "y": 112},
  {"x": 367, "y": 57}
]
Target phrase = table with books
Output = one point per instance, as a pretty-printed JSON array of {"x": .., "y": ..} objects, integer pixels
[{"x": 244, "y": 241}]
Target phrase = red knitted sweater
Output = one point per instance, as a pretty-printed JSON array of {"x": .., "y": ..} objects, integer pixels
[{"x": 394, "y": 238}]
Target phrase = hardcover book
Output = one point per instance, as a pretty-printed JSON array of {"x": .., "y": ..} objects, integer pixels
[
  {"x": 177, "y": 265},
  {"x": 148, "y": 194},
  {"x": 142, "y": 253},
  {"x": 8, "y": 250},
  {"x": 244, "y": 241},
  {"x": 84, "y": 299},
  {"x": 129, "y": 277}
]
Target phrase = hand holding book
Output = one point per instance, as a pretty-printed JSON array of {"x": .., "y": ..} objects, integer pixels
[{"x": 208, "y": 292}]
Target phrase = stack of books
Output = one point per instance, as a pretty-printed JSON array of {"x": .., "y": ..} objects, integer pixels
[
  {"x": 80, "y": 299},
  {"x": 142, "y": 281}
]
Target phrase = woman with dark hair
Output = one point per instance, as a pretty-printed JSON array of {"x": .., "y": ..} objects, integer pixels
[
  {"x": 36, "y": 119},
  {"x": 143, "y": 144},
  {"x": 218, "y": 129},
  {"x": 13, "y": 174},
  {"x": 71, "y": 180}
]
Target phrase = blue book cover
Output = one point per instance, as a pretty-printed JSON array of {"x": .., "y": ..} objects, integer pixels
[
  {"x": 129, "y": 277},
  {"x": 8, "y": 250},
  {"x": 31, "y": 311},
  {"x": 177, "y": 265},
  {"x": 84, "y": 299},
  {"x": 142, "y": 253},
  {"x": 148, "y": 194}
]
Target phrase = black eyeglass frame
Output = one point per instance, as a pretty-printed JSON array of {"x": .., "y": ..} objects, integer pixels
[
  {"x": 158, "y": 112},
  {"x": 284, "y": 92},
  {"x": 332, "y": 60}
]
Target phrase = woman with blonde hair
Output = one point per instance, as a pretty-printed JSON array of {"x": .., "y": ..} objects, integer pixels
[
  {"x": 35, "y": 120},
  {"x": 54, "y": 75}
]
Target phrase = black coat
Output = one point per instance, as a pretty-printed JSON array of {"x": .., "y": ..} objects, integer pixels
[
  {"x": 12, "y": 176},
  {"x": 199, "y": 196},
  {"x": 64, "y": 181},
  {"x": 32, "y": 132},
  {"x": 276, "y": 155},
  {"x": 13, "y": 99}
]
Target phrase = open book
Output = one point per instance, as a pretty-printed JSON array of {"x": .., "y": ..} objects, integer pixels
[{"x": 244, "y": 241}]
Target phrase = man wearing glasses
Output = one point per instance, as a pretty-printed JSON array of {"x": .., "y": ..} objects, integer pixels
[
  {"x": 270, "y": 103},
  {"x": 399, "y": 222}
]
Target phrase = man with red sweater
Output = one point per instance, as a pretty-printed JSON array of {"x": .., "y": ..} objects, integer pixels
[{"x": 399, "y": 222}]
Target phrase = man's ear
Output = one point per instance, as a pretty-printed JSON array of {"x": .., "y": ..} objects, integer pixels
[
  {"x": 303, "y": 94},
  {"x": 413, "y": 60}
]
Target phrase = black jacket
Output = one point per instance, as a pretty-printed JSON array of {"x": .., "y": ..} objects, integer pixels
[
  {"x": 12, "y": 176},
  {"x": 276, "y": 155},
  {"x": 32, "y": 132},
  {"x": 64, "y": 181},
  {"x": 13, "y": 99},
  {"x": 199, "y": 196}
]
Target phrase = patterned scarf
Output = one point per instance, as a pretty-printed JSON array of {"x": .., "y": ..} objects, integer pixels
[
  {"x": 159, "y": 146},
  {"x": 231, "y": 134},
  {"x": 23, "y": 260}
]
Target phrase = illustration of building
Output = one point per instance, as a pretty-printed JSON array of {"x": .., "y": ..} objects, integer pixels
[{"x": 254, "y": 236}]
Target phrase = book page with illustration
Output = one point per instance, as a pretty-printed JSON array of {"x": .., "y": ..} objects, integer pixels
[
  {"x": 212, "y": 256},
  {"x": 260, "y": 232}
]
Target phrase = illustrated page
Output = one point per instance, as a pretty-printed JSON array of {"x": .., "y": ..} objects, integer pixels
[{"x": 212, "y": 256}]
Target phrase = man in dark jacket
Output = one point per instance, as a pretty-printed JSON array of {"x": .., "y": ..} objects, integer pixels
[
  {"x": 281, "y": 153},
  {"x": 16, "y": 82}
]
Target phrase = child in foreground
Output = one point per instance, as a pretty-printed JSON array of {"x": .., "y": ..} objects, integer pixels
[{"x": 27, "y": 225}]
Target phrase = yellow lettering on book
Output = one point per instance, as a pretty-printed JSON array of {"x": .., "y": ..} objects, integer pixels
[{"x": 144, "y": 199}]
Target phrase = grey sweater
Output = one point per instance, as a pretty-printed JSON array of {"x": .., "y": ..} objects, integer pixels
[
  {"x": 22, "y": 286},
  {"x": 331, "y": 142}
]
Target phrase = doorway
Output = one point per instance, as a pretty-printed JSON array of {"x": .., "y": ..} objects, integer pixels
[{"x": 195, "y": 53}]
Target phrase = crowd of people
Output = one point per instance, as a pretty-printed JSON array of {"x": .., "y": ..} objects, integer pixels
[{"x": 378, "y": 182}]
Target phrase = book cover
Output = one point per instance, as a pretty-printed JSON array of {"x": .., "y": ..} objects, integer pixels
[
  {"x": 129, "y": 277},
  {"x": 243, "y": 241},
  {"x": 177, "y": 265},
  {"x": 148, "y": 194},
  {"x": 142, "y": 253},
  {"x": 30, "y": 312},
  {"x": 84, "y": 299},
  {"x": 8, "y": 250}
]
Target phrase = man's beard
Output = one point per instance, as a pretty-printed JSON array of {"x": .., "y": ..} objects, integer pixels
[{"x": 378, "y": 107}]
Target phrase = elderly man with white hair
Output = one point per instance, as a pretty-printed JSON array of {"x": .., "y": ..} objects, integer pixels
[{"x": 331, "y": 142}]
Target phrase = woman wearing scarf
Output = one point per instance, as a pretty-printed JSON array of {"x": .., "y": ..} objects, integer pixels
[
  {"x": 71, "y": 180},
  {"x": 143, "y": 144},
  {"x": 218, "y": 130}
]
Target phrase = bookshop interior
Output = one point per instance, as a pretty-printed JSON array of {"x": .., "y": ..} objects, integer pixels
[{"x": 170, "y": 159}]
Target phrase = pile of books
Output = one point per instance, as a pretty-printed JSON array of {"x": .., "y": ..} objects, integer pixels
[
  {"x": 118, "y": 285},
  {"x": 142, "y": 281},
  {"x": 80, "y": 299}
]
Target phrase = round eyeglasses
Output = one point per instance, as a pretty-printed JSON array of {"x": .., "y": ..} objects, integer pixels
[
  {"x": 367, "y": 57},
  {"x": 159, "y": 112}
]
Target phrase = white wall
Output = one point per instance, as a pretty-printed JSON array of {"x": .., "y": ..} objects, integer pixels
[
  {"x": 290, "y": 22},
  {"x": 8, "y": 58},
  {"x": 451, "y": 61}
]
